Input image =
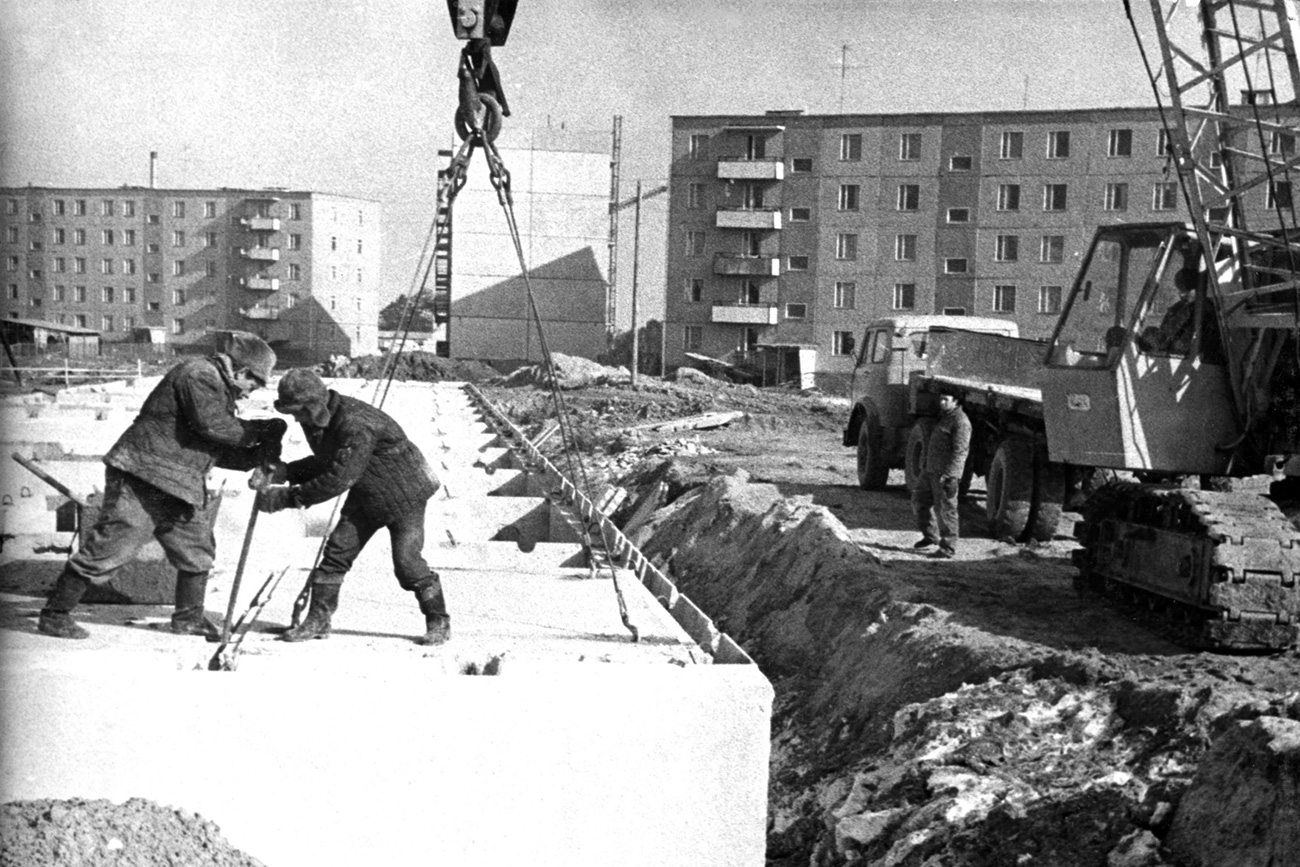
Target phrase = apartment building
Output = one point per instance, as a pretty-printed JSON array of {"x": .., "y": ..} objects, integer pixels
[
  {"x": 788, "y": 232},
  {"x": 299, "y": 268}
]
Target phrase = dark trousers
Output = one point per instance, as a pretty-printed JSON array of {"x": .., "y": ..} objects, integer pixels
[
  {"x": 406, "y": 534},
  {"x": 934, "y": 501},
  {"x": 133, "y": 511}
]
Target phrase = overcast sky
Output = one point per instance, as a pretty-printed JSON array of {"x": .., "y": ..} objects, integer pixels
[{"x": 357, "y": 97}]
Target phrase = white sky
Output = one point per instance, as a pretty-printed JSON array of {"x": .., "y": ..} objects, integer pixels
[{"x": 357, "y": 97}]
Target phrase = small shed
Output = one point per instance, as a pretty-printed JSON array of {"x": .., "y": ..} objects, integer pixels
[{"x": 74, "y": 341}]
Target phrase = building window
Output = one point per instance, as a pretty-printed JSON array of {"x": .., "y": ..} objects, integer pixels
[
  {"x": 178, "y": 297},
  {"x": 358, "y": 280},
  {"x": 796, "y": 263},
  {"x": 210, "y": 269},
  {"x": 106, "y": 208},
  {"x": 692, "y": 338},
  {"x": 128, "y": 209},
  {"x": 959, "y": 215},
  {"x": 209, "y": 209},
  {"x": 79, "y": 265},
  {"x": 842, "y": 343},
  {"x": 849, "y": 197},
  {"x": 334, "y": 242},
  {"x": 846, "y": 295},
  {"x": 11, "y": 207},
  {"x": 801, "y": 165},
  {"x": 81, "y": 320},
  {"x": 1058, "y": 145},
  {"x": 904, "y": 296},
  {"x": 332, "y": 302},
  {"x": 1164, "y": 145},
  {"x": 295, "y": 212},
  {"x": 694, "y": 289},
  {"x": 1164, "y": 196},
  {"x": 178, "y": 209},
  {"x": 60, "y": 236},
  {"x": 78, "y": 208},
  {"x": 151, "y": 248},
  {"x": 361, "y": 221},
  {"x": 106, "y": 323},
  {"x": 13, "y": 292},
  {"x": 1279, "y": 195},
  {"x": 694, "y": 196},
  {"x": 154, "y": 277},
  {"x": 178, "y": 238},
  {"x": 909, "y": 146},
  {"x": 954, "y": 266},
  {"x": 846, "y": 245},
  {"x": 128, "y": 295},
  {"x": 850, "y": 147},
  {"x": 178, "y": 326},
  {"x": 154, "y": 306},
  {"x": 11, "y": 234},
  {"x": 1116, "y": 197},
  {"x": 694, "y": 243},
  {"x": 153, "y": 219},
  {"x": 79, "y": 294},
  {"x": 698, "y": 147},
  {"x": 60, "y": 293},
  {"x": 1054, "y": 197},
  {"x": 796, "y": 311},
  {"x": 106, "y": 237},
  {"x": 106, "y": 295},
  {"x": 1052, "y": 249},
  {"x": 60, "y": 207},
  {"x": 1004, "y": 299},
  {"x": 35, "y": 274},
  {"x": 909, "y": 197},
  {"x": 905, "y": 248},
  {"x": 79, "y": 236},
  {"x": 1120, "y": 143},
  {"x": 800, "y": 215},
  {"x": 295, "y": 271},
  {"x": 11, "y": 263},
  {"x": 106, "y": 266},
  {"x": 359, "y": 246},
  {"x": 1281, "y": 143},
  {"x": 749, "y": 292},
  {"x": 1008, "y": 197},
  {"x": 960, "y": 164},
  {"x": 209, "y": 239},
  {"x": 128, "y": 237},
  {"x": 178, "y": 268},
  {"x": 295, "y": 242},
  {"x": 1049, "y": 299},
  {"x": 1008, "y": 248},
  {"x": 60, "y": 265},
  {"x": 1013, "y": 145}
]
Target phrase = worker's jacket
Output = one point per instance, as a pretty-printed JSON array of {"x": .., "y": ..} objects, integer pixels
[
  {"x": 949, "y": 445},
  {"x": 362, "y": 450},
  {"x": 186, "y": 426}
]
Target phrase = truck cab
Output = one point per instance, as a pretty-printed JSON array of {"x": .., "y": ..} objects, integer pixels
[{"x": 880, "y": 414}]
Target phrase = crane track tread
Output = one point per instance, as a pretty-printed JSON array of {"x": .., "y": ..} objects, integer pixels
[{"x": 1229, "y": 560}]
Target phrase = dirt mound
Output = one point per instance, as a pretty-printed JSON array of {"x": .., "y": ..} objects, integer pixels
[
  {"x": 571, "y": 372},
  {"x": 411, "y": 367},
  {"x": 99, "y": 833}
]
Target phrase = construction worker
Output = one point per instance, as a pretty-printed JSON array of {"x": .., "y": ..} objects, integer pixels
[
  {"x": 361, "y": 450},
  {"x": 934, "y": 497},
  {"x": 155, "y": 482}
]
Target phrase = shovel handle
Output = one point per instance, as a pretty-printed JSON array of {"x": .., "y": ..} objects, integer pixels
[{"x": 50, "y": 480}]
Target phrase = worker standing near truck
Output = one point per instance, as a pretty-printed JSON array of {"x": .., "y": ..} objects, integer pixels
[
  {"x": 934, "y": 497},
  {"x": 360, "y": 450},
  {"x": 155, "y": 482}
]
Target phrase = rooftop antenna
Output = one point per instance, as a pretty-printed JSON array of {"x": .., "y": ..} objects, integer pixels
[{"x": 845, "y": 66}]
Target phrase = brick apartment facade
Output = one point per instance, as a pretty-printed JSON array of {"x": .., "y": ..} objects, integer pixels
[{"x": 301, "y": 269}]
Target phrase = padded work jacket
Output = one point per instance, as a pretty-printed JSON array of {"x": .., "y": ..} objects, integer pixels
[
  {"x": 949, "y": 445},
  {"x": 362, "y": 450},
  {"x": 186, "y": 426}
]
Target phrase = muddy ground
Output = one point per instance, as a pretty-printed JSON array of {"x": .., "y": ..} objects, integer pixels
[{"x": 978, "y": 711}]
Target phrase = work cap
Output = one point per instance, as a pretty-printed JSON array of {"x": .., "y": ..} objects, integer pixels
[
  {"x": 250, "y": 351},
  {"x": 301, "y": 388}
]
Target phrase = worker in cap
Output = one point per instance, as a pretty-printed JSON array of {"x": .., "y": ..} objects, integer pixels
[
  {"x": 155, "y": 482},
  {"x": 358, "y": 449}
]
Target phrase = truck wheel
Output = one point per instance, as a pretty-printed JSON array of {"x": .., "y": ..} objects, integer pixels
[
  {"x": 918, "y": 441},
  {"x": 1049, "y": 498},
  {"x": 873, "y": 471},
  {"x": 1010, "y": 487}
]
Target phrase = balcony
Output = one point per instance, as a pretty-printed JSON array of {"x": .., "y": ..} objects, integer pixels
[
  {"x": 267, "y": 284},
  {"x": 735, "y": 265},
  {"x": 261, "y": 224},
  {"x": 744, "y": 314},
  {"x": 261, "y": 254},
  {"x": 749, "y": 218},
  {"x": 260, "y": 312},
  {"x": 768, "y": 169}
]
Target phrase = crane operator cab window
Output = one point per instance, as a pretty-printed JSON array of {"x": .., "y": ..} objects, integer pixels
[
  {"x": 1108, "y": 297},
  {"x": 1178, "y": 311}
]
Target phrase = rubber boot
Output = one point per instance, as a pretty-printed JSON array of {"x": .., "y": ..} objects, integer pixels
[
  {"x": 324, "y": 602},
  {"x": 437, "y": 623},
  {"x": 189, "y": 619},
  {"x": 56, "y": 616}
]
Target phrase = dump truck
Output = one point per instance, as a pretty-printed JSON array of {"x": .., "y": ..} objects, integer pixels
[{"x": 905, "y": 362}]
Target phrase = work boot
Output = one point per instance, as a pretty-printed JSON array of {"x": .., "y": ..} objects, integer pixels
[
  {"x": 56, "y": 617},
  {"x": 925, "y": 542},
  {"x": 189, "y": 619},
  {"x": 437, "y": 623},
  {"x": 324, "y": 602}
]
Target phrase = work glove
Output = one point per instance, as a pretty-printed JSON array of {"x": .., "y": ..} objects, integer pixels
[
  {"x": 275, "y": 499},
  {"x": 268, "y": 432},
  {"x": 271, "y": 473}
]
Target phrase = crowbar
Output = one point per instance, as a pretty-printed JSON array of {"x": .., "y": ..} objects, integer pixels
[{"x": 225, "y": 661}]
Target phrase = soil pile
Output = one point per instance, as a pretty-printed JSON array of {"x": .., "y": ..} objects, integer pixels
[
  {"x": 570, "y": 371},
  {"x": 411, "y": 367},
  {"x": 99, "y": 833}
]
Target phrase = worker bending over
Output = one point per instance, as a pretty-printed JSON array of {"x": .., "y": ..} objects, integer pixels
[
  {"x": 359, "y": 449},
  {"x": 935, "y": 493},
  {"x": 155, "y": 482}
]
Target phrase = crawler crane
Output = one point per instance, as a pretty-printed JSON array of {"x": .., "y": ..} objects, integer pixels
[{"x": 1176, "y": 355}]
